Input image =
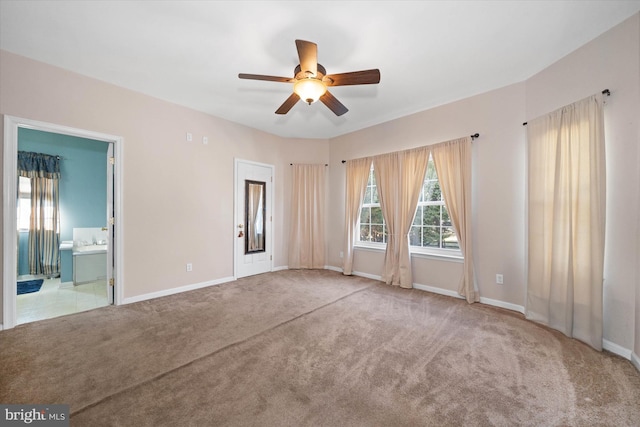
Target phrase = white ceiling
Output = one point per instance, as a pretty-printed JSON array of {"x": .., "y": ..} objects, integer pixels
[{"x": 190, "y": 52}]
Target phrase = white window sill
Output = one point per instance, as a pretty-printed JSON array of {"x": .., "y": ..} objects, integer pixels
[{"x": 436, "y": 254}]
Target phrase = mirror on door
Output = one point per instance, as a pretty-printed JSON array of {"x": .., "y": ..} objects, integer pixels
[{"x": 255, "y": 204}]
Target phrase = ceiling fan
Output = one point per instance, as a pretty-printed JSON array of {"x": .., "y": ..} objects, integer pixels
[{"x": 310, "y": 80}]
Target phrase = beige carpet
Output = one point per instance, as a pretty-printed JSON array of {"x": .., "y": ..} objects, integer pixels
[{"x": 313, "y": 348}]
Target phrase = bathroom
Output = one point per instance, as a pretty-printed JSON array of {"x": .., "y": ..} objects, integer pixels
[
  {"x": 82, "y": 228},
  {"x": 89, "y": 256}
]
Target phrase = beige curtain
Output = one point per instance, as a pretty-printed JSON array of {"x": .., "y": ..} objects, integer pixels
[
  {"x": 566, "y": 199},
  {"x": 387, "y": 170},
  {"x": 399, "y": 177},
  {"x": 452, "y": 160},
  {"x": 356, "y": 184},
  {"x": 306, "y": 236}
]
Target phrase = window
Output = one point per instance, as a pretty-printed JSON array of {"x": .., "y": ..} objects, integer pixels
[
  {"x": 24, "y": 203},
  {"x": 431, "y": 224},
  {"x": 372, "y": 226}
]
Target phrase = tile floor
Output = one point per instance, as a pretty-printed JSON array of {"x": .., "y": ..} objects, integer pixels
[{"x": 53, "y": 301}]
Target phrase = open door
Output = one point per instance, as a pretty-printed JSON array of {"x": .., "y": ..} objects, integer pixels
[
  {"x": 253, "y": 218},
  {"x": 110, "y": 224}
]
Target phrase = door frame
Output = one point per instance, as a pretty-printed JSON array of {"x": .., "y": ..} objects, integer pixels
[
  {"x": 270, "y": 199},
  {"x": 10, "y": 241}
]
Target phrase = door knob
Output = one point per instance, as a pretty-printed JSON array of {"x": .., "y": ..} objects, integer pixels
[{"x": 241, "y": 234}]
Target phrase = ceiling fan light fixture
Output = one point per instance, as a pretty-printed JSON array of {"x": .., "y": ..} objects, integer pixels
[{"x": 309, "y": 90}]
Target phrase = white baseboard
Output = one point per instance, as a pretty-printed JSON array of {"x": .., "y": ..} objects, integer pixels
[
  {"x": 635, "y": 359},
  {"x": 280, "y": 268},
  {"x": 332, "y": 268},
  {"x": 367, "y": 275},
  {"x": 502, "y": 304},
  {"x": 616, "y": 349},
  {"x": 173, "y": 291},
  {"x": 437, "y": 290}
]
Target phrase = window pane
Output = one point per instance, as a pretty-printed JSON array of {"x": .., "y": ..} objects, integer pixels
[
  {"x": 431, "y": 215},
  {"x": 427, "y": 189},
  {"x": 376, "y": 215},
  {"x": 436, "y": 194},
  {"x": 24, "y": 213},
  {"x": 367, "y": 196},
  {"x": 445, "y": 217},
  {"x": 377, "y": 233},
  {"x": 431, "y": 169},
  {"x": 431, "y": 236},
  {"x": 24, "y": 202},
  {"x": 374, "y": 195},
  {"x": 449, "y": 239},
  {"x": 417, "y": 220},
  {"x": 365, "y": 215},
  {"x": 365, "y": 234},
  {"x": 415, "y": 236}
]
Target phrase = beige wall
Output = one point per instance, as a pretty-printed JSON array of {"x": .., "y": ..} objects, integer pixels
[
  {"x": 498, "y": 187},
  {"x": 178, "y": 195},
  {"x": 610, "y": 61}
]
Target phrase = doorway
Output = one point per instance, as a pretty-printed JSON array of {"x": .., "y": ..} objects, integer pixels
[
  {"x": 96, "y": 241},
  {"x": 253, "y": 218}
]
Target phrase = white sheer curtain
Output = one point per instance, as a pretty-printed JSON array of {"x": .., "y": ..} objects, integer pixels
[
  {"x": 452, "y": 160},
  {"x": 306, "y": 236},
  {"x": 399, "y": 177},
  {"x": 566, "y": 199},
  {"x": 357, "y": 175}
]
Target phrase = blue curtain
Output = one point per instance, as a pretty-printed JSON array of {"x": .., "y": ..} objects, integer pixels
[
  {"x": 38, "y": 165},
  {"x": 44, "y": 224}
]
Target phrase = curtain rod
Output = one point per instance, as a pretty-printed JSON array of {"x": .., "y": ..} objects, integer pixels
[
  {"x": 326, "y": 164},
  {"x": 605, "y": 92},
  {"x": 52, "y": 155},
  {"x": 473, "y": 138}
]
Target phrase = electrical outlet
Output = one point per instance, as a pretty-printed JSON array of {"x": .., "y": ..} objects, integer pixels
[
  {"x": 205, "y": 140},
  {"x": 499, "y": 279},
  {"x": 341, "y": 254},
  {"x": 189, "y": 136},
  {"x": 189, "y": 267}
]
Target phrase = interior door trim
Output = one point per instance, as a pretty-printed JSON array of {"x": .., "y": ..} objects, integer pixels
[
  {"x": 270, "y": 198},
  {"x": 9, "y": 182}
]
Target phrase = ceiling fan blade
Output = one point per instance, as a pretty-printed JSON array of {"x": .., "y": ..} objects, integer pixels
[
  {"x": 334, "y": 105},
  {"x": 308, "y": 54},
  {"x": 288, "y": 104},
  {"x": 365, "y": 77},
  {"x": 267, "y": 78}
]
